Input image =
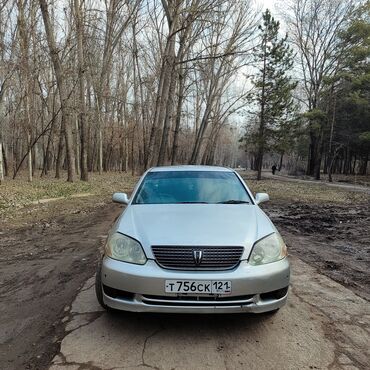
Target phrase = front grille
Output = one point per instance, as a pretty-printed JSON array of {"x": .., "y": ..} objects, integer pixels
[
  {"x": 199, "y": 301},
  {"x": 185, "y": 257}
]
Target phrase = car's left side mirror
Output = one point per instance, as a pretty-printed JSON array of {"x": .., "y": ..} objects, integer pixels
[
  {"x": 120, "y": 198},
  {"x": 262, "y": 197}
]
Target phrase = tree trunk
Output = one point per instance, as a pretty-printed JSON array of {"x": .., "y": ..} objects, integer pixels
[
  {"x": 281, "y": 161},
  {"x": 312, "y": 152},
  {"x": 346, "y": 160},
  {"x": 142, "y": 101},
  {"x": 200, "y": 136},
  {"x": 77, "y": 153},
  {"x": 1, "y": 163},
  {"x": 363, "y": 167},
  {"x": 259, "y": 161},
  {"x": 318, "y": 156},
  {"x": 66, "y": 116},
  {"x": 261, "y": 130},
  {"x": 81, "y": 77},
  {"x": 100, "y": 146},
  {"x": 5, "y": 162},
  {"x": 332, "y": 163},
  {"x": 47, "y": 155},
  {"x": 326, "y": 162},
  {"x": 178, "y": 119},
  {"x": 167, "y": 121},
  {"x": 132, "y": 153},
  {"x": 353, "y": 170},
  {"x": 29, "y": 158},
  {"x": 262, "y": 123},
  {"x": 58, "y": 163},
  {"x": 166, "y": 75},
  {"x": 25, "y": 73}
]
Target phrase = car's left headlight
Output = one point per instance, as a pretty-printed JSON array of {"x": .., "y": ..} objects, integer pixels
[
  {"x": 269, "y": 249},
  {"x": 123, "y": 248}
]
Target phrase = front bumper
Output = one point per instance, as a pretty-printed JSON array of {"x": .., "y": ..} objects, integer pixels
[{"x": 147, "y": 285}]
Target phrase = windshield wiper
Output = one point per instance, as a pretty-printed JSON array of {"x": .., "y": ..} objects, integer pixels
[
  {"x": 191, "y": 202},
  {"x": 234, "y": 201}
]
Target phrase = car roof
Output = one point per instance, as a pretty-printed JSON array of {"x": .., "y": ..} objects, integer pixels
[{"x": 191, "y": 168}]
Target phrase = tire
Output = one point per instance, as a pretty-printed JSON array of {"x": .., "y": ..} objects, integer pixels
[{"x": 99, "y": 287}]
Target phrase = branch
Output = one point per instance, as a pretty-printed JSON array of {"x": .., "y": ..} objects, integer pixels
[
  {"x": 218, "y": 56},
  {"x": 35, "y": 141}
]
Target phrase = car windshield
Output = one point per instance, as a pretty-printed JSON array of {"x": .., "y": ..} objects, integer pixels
[{"x": 171, "y": 187}]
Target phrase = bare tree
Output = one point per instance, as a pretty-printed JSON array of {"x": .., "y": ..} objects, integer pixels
[
  {"x": 228, "y": 38},
  {"x": 123, "y": 85},
  {"x": 63, "y": 94},
  {"x": 314, "y": 28},
  {"x": 79, "y": 19}
]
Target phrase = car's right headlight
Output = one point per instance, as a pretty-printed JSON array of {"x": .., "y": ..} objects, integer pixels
[
  {"x": 269, "y": 249},
  {"x": 123, "y": 248}
]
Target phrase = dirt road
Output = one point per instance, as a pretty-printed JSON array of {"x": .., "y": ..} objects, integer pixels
[
  {"x": 334, "y": 238},
  {"x": 338, "y": 185},
  {"x": 42, "y": 268},
  {"x": 325, "y": 324}
]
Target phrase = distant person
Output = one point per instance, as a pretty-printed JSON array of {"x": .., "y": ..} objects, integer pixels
[{"x": 273, "y": 168}]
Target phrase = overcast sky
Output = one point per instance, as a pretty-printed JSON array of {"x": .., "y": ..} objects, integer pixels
[{"x": 267, "y": 4}]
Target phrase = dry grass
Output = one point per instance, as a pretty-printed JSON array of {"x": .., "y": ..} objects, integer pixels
[
  {"x": 20, "y": 192},
  {"x": 19, "y": 198},
  {"x": 308, "y": 192}
]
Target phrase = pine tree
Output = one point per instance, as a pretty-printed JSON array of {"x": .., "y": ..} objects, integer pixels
[
  {"x": 272, "y": 85},
  {"x": 346, "y": 98}
]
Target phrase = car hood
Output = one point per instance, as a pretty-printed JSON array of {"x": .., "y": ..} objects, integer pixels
[{"x": 195, "y": 224}]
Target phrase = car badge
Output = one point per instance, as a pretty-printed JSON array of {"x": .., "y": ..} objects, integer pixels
[{"x": 198, "y": 256}]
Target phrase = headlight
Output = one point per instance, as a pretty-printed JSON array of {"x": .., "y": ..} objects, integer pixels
[
  {"x": 269, "y": 249},
  {"x": 123, "y": 248}
]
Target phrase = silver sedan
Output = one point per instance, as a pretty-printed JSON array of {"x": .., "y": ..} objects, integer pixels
[{"x": 192, "y": 239}]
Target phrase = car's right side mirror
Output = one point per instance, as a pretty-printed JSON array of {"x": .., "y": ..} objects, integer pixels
[
  {"x": 262, "y": 197},
  {"x": 120, "y": 198}
]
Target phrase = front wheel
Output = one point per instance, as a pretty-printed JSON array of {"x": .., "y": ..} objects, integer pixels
[{"x": 99, "y": 287}]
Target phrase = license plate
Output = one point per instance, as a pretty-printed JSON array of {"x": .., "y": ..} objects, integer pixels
[{"x": 198, "y": 286}]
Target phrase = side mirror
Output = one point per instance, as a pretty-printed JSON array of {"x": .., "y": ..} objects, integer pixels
[
  {"x": 120, "y": 198},
  {"x": 262, "y": 197}
]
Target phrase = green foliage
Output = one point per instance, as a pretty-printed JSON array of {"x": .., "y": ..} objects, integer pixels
[
  {"x": 272, "y": 93},
  {"x": 351, "y": 86},
  {"x": 365, "y": 136},
  {"x": 317, "y": 117}
]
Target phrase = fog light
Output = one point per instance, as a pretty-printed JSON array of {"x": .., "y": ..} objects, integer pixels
[{"x": 275, "y": 294}]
